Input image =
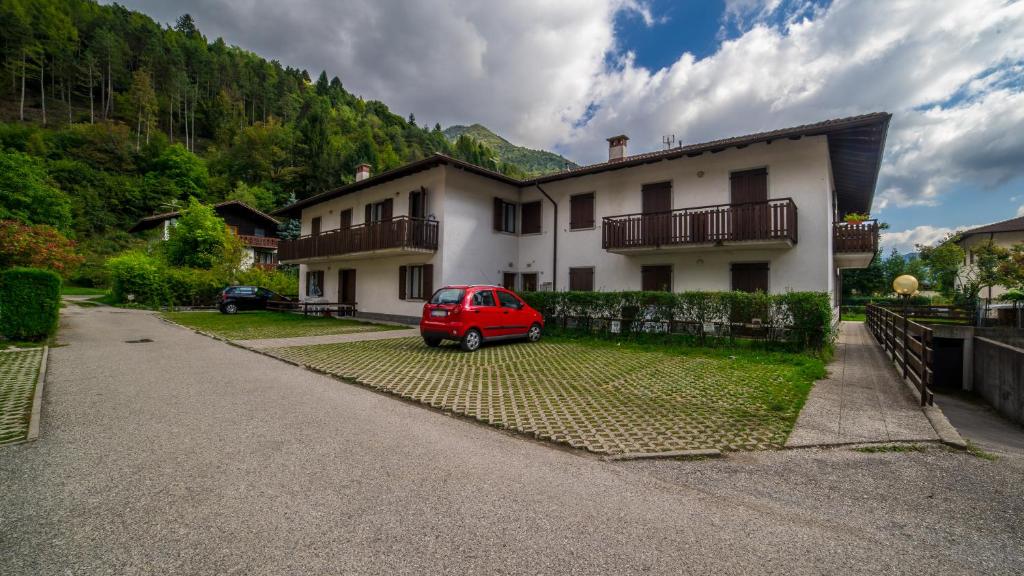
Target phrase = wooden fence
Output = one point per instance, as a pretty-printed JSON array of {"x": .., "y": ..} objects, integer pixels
[
  {"x": 313, "y": 308},
  {"x": 909, "y": 344}
]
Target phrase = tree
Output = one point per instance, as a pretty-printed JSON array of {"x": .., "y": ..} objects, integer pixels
[
  {"x": 255, "y": 196},
  {"x": 1010, "y": 271},
  {"x": 942, "y": 262},
  {"x": 36, "y": 246},
  {"x": 143, "y": 99},
  {"x": 27, "y": 195},
  {"x": 982, "y": 272},
  {"x": 184, "y": 169},
  {"x": 198, "y": 239}
]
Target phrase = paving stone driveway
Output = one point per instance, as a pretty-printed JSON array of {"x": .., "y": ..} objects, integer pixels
[
  {"x": 19, "y": 371},
  {"x": 602, "y": 399}
]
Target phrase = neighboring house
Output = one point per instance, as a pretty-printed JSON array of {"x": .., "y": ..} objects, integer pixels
[
  {"x": 757, "y": 212},
  {"x": 1005, "y": 234},
  {"x": 256, "y": 230}
]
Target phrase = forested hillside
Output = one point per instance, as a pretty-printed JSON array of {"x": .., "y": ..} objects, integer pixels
[
  {"x": 108, "y": 116},
  {"x": 533, "y": 162}
]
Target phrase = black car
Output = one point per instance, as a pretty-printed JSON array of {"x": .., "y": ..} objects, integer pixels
[{"x": 235, "y": 298}]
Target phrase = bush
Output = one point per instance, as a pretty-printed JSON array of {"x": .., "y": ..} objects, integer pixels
[
  {"x": 284, "y": 282},
  {"x": 37, "y": 246},
  {"x": 191, "y": 286},
  {"x": 138, "y": 274},
  {"x": 802, "y": 319},
  {"x": 29, "y": 303}
]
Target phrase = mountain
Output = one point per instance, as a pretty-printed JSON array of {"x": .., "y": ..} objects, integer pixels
[{"x": 532, "y": 162}]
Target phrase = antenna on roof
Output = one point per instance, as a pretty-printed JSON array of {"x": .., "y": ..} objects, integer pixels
[{"x": 668, "y": 141}]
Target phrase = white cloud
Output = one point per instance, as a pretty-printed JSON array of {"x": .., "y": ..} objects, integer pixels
[
  {"x": 534, "y": 70},
  {"x": 905, "y": 241},
  {"x": 1020, "y": 211}
]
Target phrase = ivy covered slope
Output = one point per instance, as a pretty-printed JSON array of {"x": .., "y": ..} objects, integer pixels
[{"x": 530, "y": 161}]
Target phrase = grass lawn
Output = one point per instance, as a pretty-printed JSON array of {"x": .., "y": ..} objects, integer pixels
[
  {"x": 602, "y": 396},
  {"x": 854, "y": 316},
  {"x": 19, "y": 371},
  {"x": 260, "y": 324},
  {"x": 81, "y": 291}
]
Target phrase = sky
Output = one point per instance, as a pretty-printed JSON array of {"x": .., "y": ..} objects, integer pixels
[{"x": 566, "y": 75}]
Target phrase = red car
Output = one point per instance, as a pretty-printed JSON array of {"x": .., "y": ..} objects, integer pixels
[{"x": 472, "y": 315}]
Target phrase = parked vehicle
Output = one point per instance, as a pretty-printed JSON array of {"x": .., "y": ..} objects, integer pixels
[
  {"x": 235, "y": 298},
  {"x": 472, "y": 315}
]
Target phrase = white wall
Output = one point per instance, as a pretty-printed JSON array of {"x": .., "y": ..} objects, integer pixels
[{"x": 796, "y": 169}]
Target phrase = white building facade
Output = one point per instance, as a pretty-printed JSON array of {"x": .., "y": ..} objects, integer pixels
[{"x": 757, "y": 212}]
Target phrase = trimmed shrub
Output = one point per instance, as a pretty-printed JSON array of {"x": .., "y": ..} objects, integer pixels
[
  {"x": 191, "y": 286},
  {"x": 284, "y": 282},
  {"x": 138, "y": 274},
  {"x": 802, "y": 319},
  {"x": 29, "y": 303}
]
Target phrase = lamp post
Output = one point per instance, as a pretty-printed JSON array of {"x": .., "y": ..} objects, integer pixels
[{"x": 905, "y": 286}]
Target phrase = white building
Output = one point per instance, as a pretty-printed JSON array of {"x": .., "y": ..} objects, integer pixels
[
  {"x": 1004, "y": 234},
  {"x": 747, "y": 213}
]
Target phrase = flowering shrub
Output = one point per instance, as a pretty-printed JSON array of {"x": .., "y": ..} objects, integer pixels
[{"x": 38, "y": 246}]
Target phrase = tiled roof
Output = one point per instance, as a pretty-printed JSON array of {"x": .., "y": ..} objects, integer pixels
[{"x": 1011, "y": 225}]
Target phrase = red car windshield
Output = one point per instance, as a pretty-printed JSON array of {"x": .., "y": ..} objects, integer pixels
[{"x": 448, "y": 296}]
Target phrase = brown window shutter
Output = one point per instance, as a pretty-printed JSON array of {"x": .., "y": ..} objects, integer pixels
[
  {"x": 369, "y": 214},
  {"x": 581, "y": 211},
  {"x": 401, "y": 282},
  {"x": 388, "y": 209},
  {"x": 531, "y": 218},
  {"x": 498, "y": 216},
  {"x": 581, "y": 279},
  {"x": 346, "y": 219},
  {"x": 656, "y": 278},
  {"x": 428, "y": 281},
  {"x": 315, "y": 225},
  {"x": 750, "y": 277}
]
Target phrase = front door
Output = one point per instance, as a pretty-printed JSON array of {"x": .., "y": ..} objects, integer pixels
[
  {"x": 347, "y": 286},
  {"x": 749, "y": 190},
  {"x": 656, "y": 208}
]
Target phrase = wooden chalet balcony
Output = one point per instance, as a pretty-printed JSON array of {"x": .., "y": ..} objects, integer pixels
[
  {"x": 259, "y": 241},
  {"x": 771, "y": 223},
  {"x": 395, "y": 236},
  {"x": 854, "y": 245}
]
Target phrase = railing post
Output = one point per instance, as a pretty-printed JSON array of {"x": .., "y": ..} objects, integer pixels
[{"x": 905, "y": 328}]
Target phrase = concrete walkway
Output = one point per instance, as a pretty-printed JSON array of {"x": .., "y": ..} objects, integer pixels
[
  {"x": 862, "y": 400},
  {"x": 327, "y": 339}
]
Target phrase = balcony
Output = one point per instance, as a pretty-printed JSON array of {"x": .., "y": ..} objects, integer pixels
[
  {"x": 401, "y": 235},
  {"x": 854, "y": 245},
  {"x": 258, "y": 241},
  {"x": 755, "y": 224}
]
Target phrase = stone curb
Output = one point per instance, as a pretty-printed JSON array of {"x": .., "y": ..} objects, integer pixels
[
  {"x": 37, "y": 400},
  {"x": 946, "y": 431},
  {"x": 852, "y": 443},
  {"x": 703, "y": 453}
]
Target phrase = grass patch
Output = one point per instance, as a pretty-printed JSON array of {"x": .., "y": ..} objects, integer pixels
[
  {"x": 81, "y": 291},
  {"x": 605, "y": 396},
  {"x": 976, "y": 451},
  {"x": 854, "y": 316},
  {"x": 261, "y": 324},
  {"x": 888, "y": 448}
]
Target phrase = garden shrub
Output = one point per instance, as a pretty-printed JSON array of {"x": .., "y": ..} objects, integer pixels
[
  {"x": 138, "y": 274},
  {"x": 802, "y": 319},
  {"x": 284, "y": 282},
  {"x": 191, "y": 286},
  {"x": 29, "y": 303}
]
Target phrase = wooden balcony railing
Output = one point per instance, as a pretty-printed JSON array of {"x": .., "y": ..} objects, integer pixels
[
  {"x": 258, "y": 241},
  {"x": 753, "y": 221},
  {"x": 861, "y": 237},
  {"x": 399, "y": 232}
]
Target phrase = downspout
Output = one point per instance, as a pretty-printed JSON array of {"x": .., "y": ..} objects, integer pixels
[{"x": 554, "y": 242}]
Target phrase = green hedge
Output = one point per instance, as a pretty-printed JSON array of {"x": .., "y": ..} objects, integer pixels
[
  {"x": 29, "y": 303},
  {"x": 802, "y": 319},
  {"x": 152, "y": 283},
  {"x": 885, "y": 301}
]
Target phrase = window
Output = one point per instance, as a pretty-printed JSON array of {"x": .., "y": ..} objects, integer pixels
[
  {"x": 415, "y": 282},
  {"x": 531, "y": 218},
  {"x": 508, "y": 300},
  {"x": 656, "y": 278},
  {"x": 581, "y": 279},
  {"x": 581, "y": 211},
  {"x": 345, "y": 219},
  {"x": 314, "y": 226},
  {"x": 448, "y": 296},
  {"x": 233, "y": 229},
  {"x": 504, "y": 216},
  {"x": 483, "y": 298},
  {"x": 379, "y": 211},
  {"x": 315, "y": 283},
  {"x": 750, "y": 277},
  {"x": 418, "y": 203},
  {"x": 530, "y": 282},
  {"x": 508, "y": 280},
  {"x": 263, "y": 257},
  {"x": 260, "y": 232}
]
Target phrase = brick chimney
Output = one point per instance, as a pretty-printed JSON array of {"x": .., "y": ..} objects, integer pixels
[
  {"x": 617, "y": 147},
  {"x": 362, "y": 172}
]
